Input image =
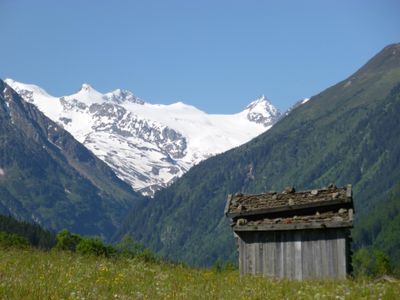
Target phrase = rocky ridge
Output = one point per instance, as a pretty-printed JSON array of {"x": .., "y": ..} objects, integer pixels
[{"x": 148, "y": 145}]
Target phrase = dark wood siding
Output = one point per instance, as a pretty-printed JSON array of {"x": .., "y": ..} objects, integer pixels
[{"x": 296, "y": 254}]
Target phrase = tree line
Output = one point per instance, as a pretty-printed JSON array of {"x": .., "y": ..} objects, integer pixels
[{"x": 18, "y": 234}]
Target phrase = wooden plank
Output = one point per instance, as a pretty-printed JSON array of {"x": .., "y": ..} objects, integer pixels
[
  {"x": 271, "y": 253},
  {"x": 265, "y": 258},
  {"x": 347, "y": 237},
  {"x": 293, "y": 255},
  {"x": 329, "y": 253},
  {"x": 317, "y": 254},
  {"x": 241, "y": 256},
  {"x": 248, "y": 256},
  {"x": 325, "y": 254},
  {"x": 289, "y": 254},
  {"x": 298, "y": 266},
  {"x": 313, "y": 258},
  {"x": 277, "y": 255},
  {"x": 279, "y": 267},
  {"x": 254, "y": 250},
  {"x": 326, "y": 258},
  {"x": 244, "y": 255},
  {"x": 260, "y": 254},
  {"x": 299, "y": 226},
  {"x": 286, "y": 254},
  {"x": 245, "y": 259},
  {"x": 292, "y": 252},
  {"x": 335, "y": 254},
  {"x": 340, "y": 265},
  {"x": 266, "y": 254},
  {"x": 342, "y": 256},
  {"x": 304, "y": 254},
  {"x": 283, "y": 255},
  {"x": 308, "y": 261},
  {"x": 291, "y": 208},
  {"x": 252, "y": 254}
]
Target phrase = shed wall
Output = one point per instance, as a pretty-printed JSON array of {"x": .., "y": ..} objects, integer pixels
[{"x": 296, "y": 254}]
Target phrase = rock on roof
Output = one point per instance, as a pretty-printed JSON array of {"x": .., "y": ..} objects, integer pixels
[
  {"x": 329, "y": 207},
  {"x": 249, "y": 205},
  {"x": 329, "y": 219}
]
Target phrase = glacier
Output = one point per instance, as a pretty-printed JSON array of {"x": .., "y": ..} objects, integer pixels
[{"x": 148, "y": 145}]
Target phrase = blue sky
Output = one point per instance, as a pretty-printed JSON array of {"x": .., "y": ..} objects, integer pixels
[{"x": 216, "y": 55}]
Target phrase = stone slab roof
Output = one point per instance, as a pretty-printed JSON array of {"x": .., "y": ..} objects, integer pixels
[
  {"x": 240, "y": 205},
  {"x": 330, "y": 207}
]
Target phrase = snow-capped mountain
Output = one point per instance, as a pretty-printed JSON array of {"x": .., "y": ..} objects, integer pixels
[{"x": 148, "y": 145}]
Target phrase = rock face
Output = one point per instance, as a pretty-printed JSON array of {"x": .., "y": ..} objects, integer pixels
[
  {"x": 149, "y": 146},
  {"x": 50, "y": 178},
  {"x": 261, "y": 111}
]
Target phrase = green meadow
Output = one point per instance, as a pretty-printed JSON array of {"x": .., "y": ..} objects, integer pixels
[{"x": 35, "y": 274}]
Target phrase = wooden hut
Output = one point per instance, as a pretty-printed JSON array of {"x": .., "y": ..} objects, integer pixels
[{"x": 294, "y": 235}]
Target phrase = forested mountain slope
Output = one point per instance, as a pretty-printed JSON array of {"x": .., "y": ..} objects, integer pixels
[{"x": 348, "y": 133}]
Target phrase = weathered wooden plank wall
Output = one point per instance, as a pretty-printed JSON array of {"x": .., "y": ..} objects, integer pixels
[{"x": 297, "y": 254}]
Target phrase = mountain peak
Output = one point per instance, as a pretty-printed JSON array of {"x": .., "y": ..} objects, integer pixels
[
  {"x": 262, "y": 111},
  {"x": 260, "y": 101},
  {"x": 120, "y": 96},
  {"x": 387, "y": 59},
  {"x": 9, "y": 81},
  {"x": 86, "y": 88},
  {"x": 26, "y": 89},
  {"x": 87, "y": 94}
]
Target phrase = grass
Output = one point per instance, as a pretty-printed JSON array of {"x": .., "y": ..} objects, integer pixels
[{"x": 33, "y": 274}]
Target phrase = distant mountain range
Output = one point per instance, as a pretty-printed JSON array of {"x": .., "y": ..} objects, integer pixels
[
  {"x": 48, "y": 177},
  {"x": 148, "y": 145},
  {"x": 348, "y": 133}
]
